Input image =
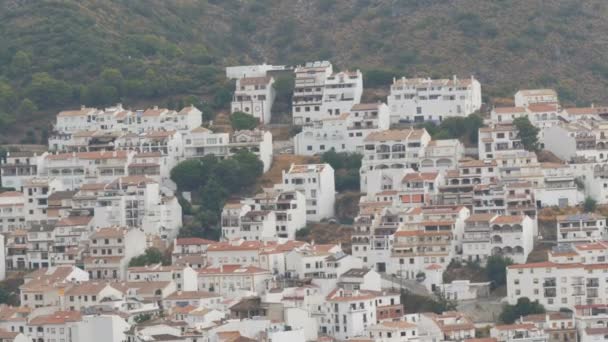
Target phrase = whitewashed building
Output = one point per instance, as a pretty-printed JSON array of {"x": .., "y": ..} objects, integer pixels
[
  {"x": 526, "y": 97},
  {"x": 343, "y": 133},
  {"x": 254, "y": 96},
  {"x": 420, "y": 99},
  {"x": 316, "y": 182}
]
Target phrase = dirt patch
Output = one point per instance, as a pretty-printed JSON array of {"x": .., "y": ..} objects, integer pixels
[
  {"x": 328, "y": 233},
  {"x": 283, "y": 162},
  {"x": 545, "y": 156}
]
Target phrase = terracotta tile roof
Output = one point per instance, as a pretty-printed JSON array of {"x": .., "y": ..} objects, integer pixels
[
  {"x": 74, "y": 221},
  {"x": 306, "y": 168},
  {"x": 480, "y": 217},
  {"x": 420, "y": 176},
  {"x": 154, "y": 112},
  {"x": 57, "y": 318},
  {"x": 587, "y": 111},
  {"x": 366, "y": 106},
  {"x": 193, "y": 241},
  {"x": 232, "y": 269},
  {"x": 395, "y": 135},
  {"x": 227, "y": 246},
  {"x": 11, "y": 194},
  {"x": 79, "y": 112},
  {"x": 181, "y": 295},
  {"x": 187, "y": 110},
  {"x": 90, "y": 155},
  {"x": 580, "y": 217},
  {"x": 46, "y": 278},
  {"x": 142, "y": 287},
  {"x": 509, "y": 110},
  {"x": 401, "y": 233},
  {"x": 86, "y": 288},
  {"x": 508, "y": 219},
  {"x": 7, "y": 335},
  {"x": 596, "y": 331},
  {"x": 109, "y": 232},
  {"x": 520, "y": 326},
  {"x": 542, "y": 107}
]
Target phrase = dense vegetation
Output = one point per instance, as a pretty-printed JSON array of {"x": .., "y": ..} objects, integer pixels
[
  {"x": 211, "y": 181},
  {"x": 346, "y": 167},
  {"x": 496, "y": 269},
  {"x": 151, "y": 256},
  {"x": 57, "y": 54},
  {"x": 240, "y": 121},
  {"x": 466, "y": 129},
  {"x": 524, "y": 307},
  {"x": 528, "y": 133}
]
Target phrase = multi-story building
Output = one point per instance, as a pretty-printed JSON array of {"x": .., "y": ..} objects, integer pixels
[
  {"x": 37, "y": 192},
  {"x": 254, "y": 96},
  {"x": 557, "y": 285},
  {"x": 19, "y": 167},
  {"x": 581, "y": 253},
  {"x": 119, "y": 119},
  {"x": 110, "y": 251},
  {"x": 498, "y": 140},
  {"x": 441, "y": 155},
  {"x": 136, "y": 201},
  {"x": 388, "y": 152},
  {"x": 490, "y": 234},
  {"x": 185, "y": 277},
  {"x": 316, "y": 182},
  {"x": 519, "y": 332},
  {"x": 12, "y": 211},
  {"x": 232, "y": 280},
  {"x": 343, "y": 133},
  {"x": 559, "y": 326},
  {"x": 191, "y": 251},
  {"x": 75, "y": 169},
  {"x": 559, "y": 188},
  {"x": 319, "y": 93},
  {"x": 289, "y": 208},
  {"x": 418, "y": 99},
  {"x": 200, "y": 142},
  {"x": 447, "y": 326},
  {"x": 584, "y": 227},
  {"x": 396, "y": 331},
  {"x": 308, "y": 91},
  {"x": 45, "y": 286},
  {"x": 347, "y": 314},
  {"x": 526, "y": 97}
]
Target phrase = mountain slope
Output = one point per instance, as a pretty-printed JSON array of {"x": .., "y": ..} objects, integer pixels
[{"x": 58, "y": 54}]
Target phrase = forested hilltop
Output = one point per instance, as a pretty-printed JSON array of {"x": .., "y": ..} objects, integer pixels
[{"x": 58, "y": 54}]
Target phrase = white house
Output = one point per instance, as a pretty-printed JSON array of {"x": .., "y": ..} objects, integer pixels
[
  {"x": 12, "y": 211},
  {"x": 184, "y": 277},
  {"x": 584, "y": 227},
  {"x": 419, "y": 99},
  {"x": 343, "y": 133},
  {"x": 254, "y": 96},
  {"x": 526, "y": 97},
  {"x": 387, "y": 152},
  {"x": 231, "y": 280},
  {"x": 316, "y": 182},
  {"x": 111, "y": 249},
  {"x": 490, "y": 234}
]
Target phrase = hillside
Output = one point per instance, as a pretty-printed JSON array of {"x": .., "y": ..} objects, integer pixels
[{"x": 57, "y": 54}]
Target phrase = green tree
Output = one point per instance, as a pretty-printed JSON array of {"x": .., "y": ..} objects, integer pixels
[
  {"x": 20, "y": 64},
  {"x": 8, "y": 97},
  {"x": 213, "y": 195},
  {"x": 141, "y": 318},
  {"x": 527, "y": 132},
  {"x": 151, "y": 256},
  {"x": 250, "y": 167},
  {"x": 590, "y": 205},
  {"x": 27, "y": 107},
  {"x": 524, "y": 307},
  {"x": 188, "y": 175},
  {"x": 496, "y": 269},
  {"x": 240, "y": 121},
  {"x": 47, "y": 91},
  {"x": 111, "y": 77}
]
